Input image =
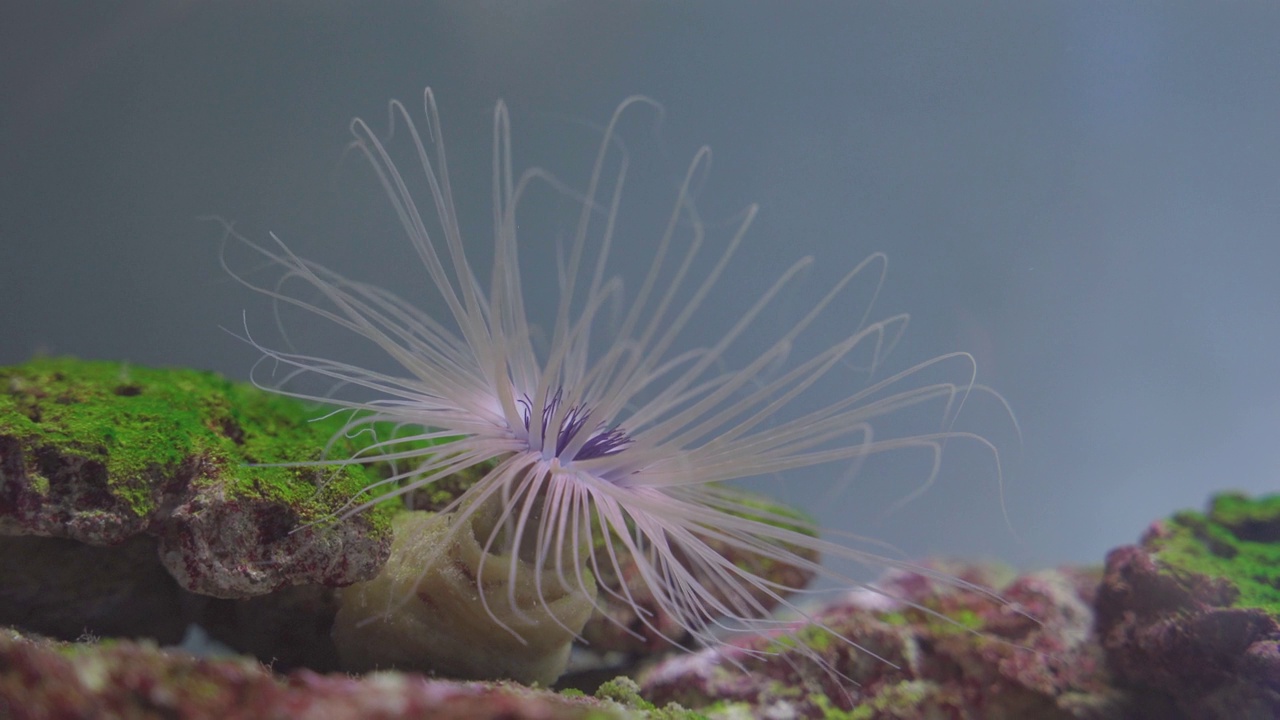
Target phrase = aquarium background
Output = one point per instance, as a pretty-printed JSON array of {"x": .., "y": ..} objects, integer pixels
[{"x": 1085, "y": 196}]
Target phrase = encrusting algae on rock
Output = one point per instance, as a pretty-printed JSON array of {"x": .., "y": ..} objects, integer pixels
[
  {"x": 1183, "y": 625},
  {"x": 938, "y": 651},
  {"x": 101, "y": 452},
  {"x": 42, "y": 679},
  {"x": 134, "y": 492},
  {"x": 1190, "y": 616}
]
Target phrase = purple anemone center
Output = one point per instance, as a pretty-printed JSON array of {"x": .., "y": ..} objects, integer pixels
[{"x": 604, "y": 440}]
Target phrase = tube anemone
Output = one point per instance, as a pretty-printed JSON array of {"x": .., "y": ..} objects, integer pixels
[
  {"x": 596, "y": 454},
  {"x": 455, "y": 610}
]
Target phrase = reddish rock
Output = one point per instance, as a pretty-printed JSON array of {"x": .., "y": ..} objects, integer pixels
[
  {"x": 935, "y": 649},
  {"x": 1186, "y": 617},
  {"x": 44, "y": 680},
  {"x": 106, "y": 453}
]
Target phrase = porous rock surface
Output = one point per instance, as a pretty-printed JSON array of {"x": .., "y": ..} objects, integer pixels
[
  {"x": 925, "y": 649},
  {"x": 137, "y": 501},
  {"x": 1191, "y": 615},
  {"x": 130, "y": 505},
  {"x": 42, "y": 679},
  {"x": 102, "y": 453}
]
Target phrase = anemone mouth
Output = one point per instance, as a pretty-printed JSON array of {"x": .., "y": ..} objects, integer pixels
[{"x": 573, "y": 421}]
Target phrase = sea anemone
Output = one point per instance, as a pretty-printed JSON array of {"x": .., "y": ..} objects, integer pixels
[{"x": 610, "y": 442}]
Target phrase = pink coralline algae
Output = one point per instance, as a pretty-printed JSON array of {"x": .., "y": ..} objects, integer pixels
[
  {"x": 1190, "y": 617},
  {"x": 936, "y": 649},
  {"x": 43, "y": 680}
]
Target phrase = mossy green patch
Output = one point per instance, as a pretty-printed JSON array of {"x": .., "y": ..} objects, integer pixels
[
  {"x": 824, "y": 705},
  {"x": 895, "y": 618},
  {"x": 626, "y": 692},
  {"x": 750, "y": 506},
  {"x": 764, "y": 509},
  {"x": 133, "y": 431},
  {"x": 813, "y": 636},
  {"x": 961, "y": 620},
  {"x": 901, "y": 699},
  {"x": 1238, "y": 540}
]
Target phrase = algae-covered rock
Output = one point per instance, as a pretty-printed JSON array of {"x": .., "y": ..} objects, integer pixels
[
  {"x": 44, "y": 679},
  {"x": 102, "y": 452},
  {"x": 1191, "y": 615},
  {"x": 925, "y": 649},
  {"x": 136, "y": 501}
]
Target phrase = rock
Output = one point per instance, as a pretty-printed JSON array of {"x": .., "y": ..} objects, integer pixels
[
  {"x": 1191, "y": 615},
  {"x": 928, "y": 648},
  {"x": 65, "y": 588},
  {"x": 128, "y": 507},
  {"x": 46, "y": 679},
  {"x": 131, "y": 505},
  {"x": 102, "y": 452}
]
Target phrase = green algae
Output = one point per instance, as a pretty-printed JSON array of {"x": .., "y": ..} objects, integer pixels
[
  {"x": 767, "y": 510},
  {"x": 752, "y": 506},
  {"x": 626, "y": 692},
  {"x": 1237, "y": 539},
  {"x": 905, "y": 698},
  {"x": 131, "y": 430},
  {"x": 812, "y": 636}
]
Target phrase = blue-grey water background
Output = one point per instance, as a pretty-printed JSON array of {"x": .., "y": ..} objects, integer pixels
[{"x": 1083, "y": 195}]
